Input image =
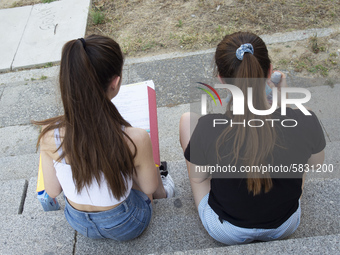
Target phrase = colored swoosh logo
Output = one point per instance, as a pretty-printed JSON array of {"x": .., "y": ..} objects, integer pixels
[{"x": 209, "y": 93}]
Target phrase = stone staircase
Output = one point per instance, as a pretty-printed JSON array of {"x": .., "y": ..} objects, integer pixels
[{"x": 175, "y": 227}]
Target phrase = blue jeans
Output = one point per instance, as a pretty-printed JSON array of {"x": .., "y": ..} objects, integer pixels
[
  {"x": 229, "y": 234},
  {"x": 122, "y": 223}
]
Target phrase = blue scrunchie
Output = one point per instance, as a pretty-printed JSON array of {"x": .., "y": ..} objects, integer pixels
[{"x": 247, "y": 47}]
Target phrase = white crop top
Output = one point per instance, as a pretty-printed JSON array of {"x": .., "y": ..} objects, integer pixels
[{"x": 89, "y": 195}]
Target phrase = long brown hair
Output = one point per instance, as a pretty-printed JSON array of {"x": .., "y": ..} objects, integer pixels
[
  {"x": 94, "y": 141},
  {"x": 252, "y": 146}
]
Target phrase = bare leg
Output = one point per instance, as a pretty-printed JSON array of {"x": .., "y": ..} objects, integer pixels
[{"x": 199, "y": 189}]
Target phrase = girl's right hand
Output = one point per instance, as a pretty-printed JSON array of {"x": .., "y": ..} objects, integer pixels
[{"x": 281, "y": 84}]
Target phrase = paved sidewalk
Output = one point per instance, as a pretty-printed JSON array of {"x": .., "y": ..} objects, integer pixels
[{"x": 34, "y": 35}]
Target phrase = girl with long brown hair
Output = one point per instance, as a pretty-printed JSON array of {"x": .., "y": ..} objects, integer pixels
[
  {"x": 236, "y": 202},
  {"x": 104, "y": 166}
]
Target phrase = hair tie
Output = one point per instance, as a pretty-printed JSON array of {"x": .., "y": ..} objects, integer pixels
[
  {"x": 247, "y": 47},
  {"x": 83, "y": 42}
]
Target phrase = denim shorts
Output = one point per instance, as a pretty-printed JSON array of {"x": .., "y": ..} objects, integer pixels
[
  {"x": 230, "y": 234},
  {"x": 122, "y": 223}
]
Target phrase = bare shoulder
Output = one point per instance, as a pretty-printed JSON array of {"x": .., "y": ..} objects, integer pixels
[
  {"x": 138, "y": 135},
  {"x": 47, "y": 138},
  {"x": 47, "y": 143}
]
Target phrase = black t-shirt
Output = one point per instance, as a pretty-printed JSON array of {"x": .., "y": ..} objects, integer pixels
[{"x": 229, "y": 196}]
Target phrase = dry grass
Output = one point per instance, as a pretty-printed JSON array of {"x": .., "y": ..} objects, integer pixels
[
  {"x": 19, "y": 3},
  {"x": 314, "y": 57},
  {"x": 146, "y": 26}
]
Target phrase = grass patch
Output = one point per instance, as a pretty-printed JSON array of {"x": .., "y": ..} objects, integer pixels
[
  {"x": 315, "y": 44},
  {"x": 180, "y": 23},
  {"x": 283, "y": 62},
  {"x": 98, "y": 17},
  {"x": 187, "y": 40},
  {"x": 210, "y": 19},
  {"x": 304, "y": 62},
  {"x": 15, "y": 4},
  {"x": 277, "y": 50},
  {"x": 148, "y": 45},
  {"x": 47, "y": 1},
  {"x": 319, "y": 68},
  {"x": 49, "y": 64}
]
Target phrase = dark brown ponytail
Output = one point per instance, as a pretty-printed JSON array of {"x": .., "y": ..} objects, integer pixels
[
  {"x": 94, "y": 141},
  {"x": 256, "y": 143}
]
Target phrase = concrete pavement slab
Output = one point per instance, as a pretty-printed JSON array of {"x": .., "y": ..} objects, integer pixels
[
  {"x": 331, "y": 166},
  {"x": 2, "y": 88},
  {"x": 49, "y": 27},
  {"x": 12, "y": 195},
  {"x": 175, "y": 226},
  {"x": 125, "y": 75},
  {"x": 168, "y": 131},
  {"x": 25, "y": 76},
  {"x": 32, "y": 205},
  {"x": 324, "y": 100},
  {"x": 294, "y": 80},
  {"x": 36, "y": 235},
  {"x": 298, "y": 35},
  {"x": 331, "y": 128},
  {"x": 19, "y": 167},
  {"x": 320, "y": 211},
  {"x": 18, "y": 140},
  {"x": 12, "y": 25},
  {"x": 329, "y": 244},
  {"x": 35, "y": 100},
  {"x": 179, "y": 173},
  {"x": 173, "y": 78},
  {"x": 332, "y": 153}
]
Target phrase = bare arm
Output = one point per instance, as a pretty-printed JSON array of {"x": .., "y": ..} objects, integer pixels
[
  {"x": 146, "y": 176},
  {"x": 317, "y": 158},
  {"x": 52, "y": 185},
  {"x": 198, "y": 174}
]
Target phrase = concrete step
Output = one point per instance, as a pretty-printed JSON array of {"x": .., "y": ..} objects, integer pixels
[
  {"x": 18, "y": 140},
  {"x": 30, "y": 234},
  {"x": 29, "y": 100},
  {"x": 19, "y": 167},
  {"x": 331, "y": 128},
  {"x": 329, "y": 244},
  {"x": 12, "y": 196},
  {"x": 175, "y": 225},
  {"x": 168, "y": 129}
]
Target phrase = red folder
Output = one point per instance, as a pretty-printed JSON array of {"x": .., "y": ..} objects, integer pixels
[{"x": 154, "y": 125}]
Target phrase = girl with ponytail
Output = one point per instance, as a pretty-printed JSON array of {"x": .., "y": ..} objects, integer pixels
[
  {"x": 241, "y": 206},
  {"x": 103, "y": 165}
]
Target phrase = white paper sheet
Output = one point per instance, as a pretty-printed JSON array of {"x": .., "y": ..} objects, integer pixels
[{"x": 132, "y": 103}]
